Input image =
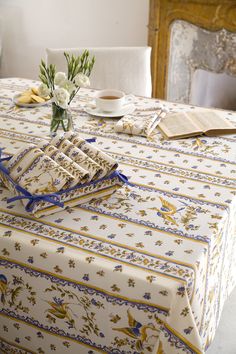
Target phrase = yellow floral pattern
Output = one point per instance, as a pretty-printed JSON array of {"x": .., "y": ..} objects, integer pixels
[{"x": 146, "y": 270}]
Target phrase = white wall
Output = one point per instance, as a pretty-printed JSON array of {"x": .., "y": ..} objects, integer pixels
[{"x": 29, "y": 26}]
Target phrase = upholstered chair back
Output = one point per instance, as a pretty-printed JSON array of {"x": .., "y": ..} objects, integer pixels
[{"x": 123, "y": 68}]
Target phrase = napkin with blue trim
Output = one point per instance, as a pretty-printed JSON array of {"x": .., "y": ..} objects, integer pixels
[
  {"x": 106, "y": 162},
  {"x": 33, "y": 170},
  {"x": 142, "y": 123},
  {"x": 80, "y": 174}
]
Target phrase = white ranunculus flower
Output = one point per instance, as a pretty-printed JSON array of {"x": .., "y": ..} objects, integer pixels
[
  {"x": 43, "y": 90},
  {"x": 68, "y": 85},
  {"x": 61, "y": 97},
  {"x": 59, "y": 78},
  {"x": 82, "y": 80}
]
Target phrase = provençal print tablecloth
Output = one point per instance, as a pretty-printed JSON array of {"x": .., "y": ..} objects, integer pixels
[{"x": 144, "y": 271}]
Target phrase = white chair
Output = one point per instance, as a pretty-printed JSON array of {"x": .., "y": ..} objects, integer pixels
[
  {"x": 123, "y": 68},
  {"x": 211, "y": 89}
]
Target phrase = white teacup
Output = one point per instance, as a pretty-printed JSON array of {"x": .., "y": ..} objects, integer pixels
[{"x": 111, "y": 100}]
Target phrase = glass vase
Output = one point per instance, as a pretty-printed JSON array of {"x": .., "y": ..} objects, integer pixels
[{"x": 61, "y": 120}]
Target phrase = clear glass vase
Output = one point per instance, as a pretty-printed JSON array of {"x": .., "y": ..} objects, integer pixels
[{"x": 61, "y": 120}]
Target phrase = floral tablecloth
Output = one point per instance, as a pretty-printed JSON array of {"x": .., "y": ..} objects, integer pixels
[{"x": 146, "y": 270}]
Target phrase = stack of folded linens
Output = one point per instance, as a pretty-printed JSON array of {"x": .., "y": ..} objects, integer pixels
[
  {"x": 60, "y": 166},
  {"x": 143, "y": 124},
  {"x": 33, "y": 170}
]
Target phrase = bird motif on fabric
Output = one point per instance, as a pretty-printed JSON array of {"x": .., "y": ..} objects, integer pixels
[
  {"x": 136, "y": 330},
  {"x": 128, "y": 125},
  {"x": 167, "y": 211},
  {"x": 3, "y": 287},
  {"x": 49, "y": 188},
  {"x": 198, "y": 143},
  {"x": 60, "y": 310}
]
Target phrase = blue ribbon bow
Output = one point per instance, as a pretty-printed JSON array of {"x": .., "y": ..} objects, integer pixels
[
  {"x": 50, "y": 198},
  {"x": 123, "y": 178},
  {"x": 53, "y": 198}
]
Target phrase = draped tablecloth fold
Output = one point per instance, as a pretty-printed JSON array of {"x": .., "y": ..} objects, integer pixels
[{"x": 146, "y": 270}]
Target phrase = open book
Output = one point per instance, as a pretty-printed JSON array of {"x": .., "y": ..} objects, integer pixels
[{"x": 187, "y": 124}]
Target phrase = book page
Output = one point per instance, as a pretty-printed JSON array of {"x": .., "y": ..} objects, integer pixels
[
  {"x": 210, "y": 121},
  {"x": 179, "y": 125}
]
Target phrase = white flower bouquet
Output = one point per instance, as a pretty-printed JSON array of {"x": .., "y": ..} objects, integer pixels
[{"x": 62, "y": 87}]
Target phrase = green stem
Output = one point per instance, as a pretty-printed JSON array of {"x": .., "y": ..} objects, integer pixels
[
  {"x": 60, "y": 117},
  {"x": 63, "y": 125},
  {"x": 73, "y": 95}
]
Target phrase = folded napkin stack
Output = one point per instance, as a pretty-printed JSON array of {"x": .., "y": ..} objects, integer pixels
[
  {"x": 62, "y": 163},
  {"x": 37, "y": 172},
  {"x": 107, "y": 163},
  {"x": 80, "y": 174},
  {"x": 78, "y": 156},
  {"x": 140, "y": 124}
]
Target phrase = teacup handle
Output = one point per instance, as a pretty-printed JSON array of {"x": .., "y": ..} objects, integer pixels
[{"x": 129, "y": 98}]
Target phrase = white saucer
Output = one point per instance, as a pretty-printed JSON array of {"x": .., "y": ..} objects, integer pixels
[
  {"x": 94, "y": 111},
  {"x": 15, "y": 100}
]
